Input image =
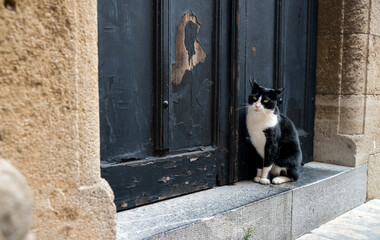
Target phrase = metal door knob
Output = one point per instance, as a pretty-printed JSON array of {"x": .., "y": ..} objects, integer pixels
[{"x": 165, "y": 104}]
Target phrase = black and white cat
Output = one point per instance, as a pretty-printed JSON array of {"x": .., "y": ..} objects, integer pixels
[{"x": 273, "y": 136}]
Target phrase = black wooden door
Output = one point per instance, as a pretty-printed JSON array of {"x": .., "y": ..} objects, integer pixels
[
  {"x": 164, "y": 89},
  {"x": 275, "y": 44},
  {"x": 172, "y": 77}
]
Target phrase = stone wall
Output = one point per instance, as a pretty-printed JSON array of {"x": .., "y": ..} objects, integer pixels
[
  {"x": 49, "y": 115},
  {"x": 347, "y": 117}
]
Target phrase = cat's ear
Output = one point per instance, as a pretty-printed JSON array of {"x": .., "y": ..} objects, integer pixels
[{"x": 253, "y": 82}]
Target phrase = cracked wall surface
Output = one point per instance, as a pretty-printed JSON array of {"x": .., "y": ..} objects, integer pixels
[
  {"x": 347, "y": 120},
  {"x": 49, "y": 115}
]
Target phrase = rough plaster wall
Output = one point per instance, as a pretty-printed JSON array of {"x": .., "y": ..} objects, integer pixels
[
  {"x": 347, "y": 120},
  {"x": 49, "y": 115}
]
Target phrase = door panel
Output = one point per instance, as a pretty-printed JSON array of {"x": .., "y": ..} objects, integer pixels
[
  {"x": 125, "y": 94},
  {"x": 192, "y": 78},
  {"x": 164, "y": 127},
  {"x": 261, "y": 41}
]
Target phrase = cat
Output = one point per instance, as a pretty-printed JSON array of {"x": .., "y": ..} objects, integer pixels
[{"x": 274, "y": 137}]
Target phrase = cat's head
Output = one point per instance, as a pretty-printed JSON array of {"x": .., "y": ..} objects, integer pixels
[{"x": 263, "y": 99}]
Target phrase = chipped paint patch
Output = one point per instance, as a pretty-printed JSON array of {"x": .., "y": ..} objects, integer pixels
[
  {"x": 142, "y": 199},
  {"x": 165, "y": 179},
  {"x": 193, "y": 159},
  {"x": 188, "y": 51}
]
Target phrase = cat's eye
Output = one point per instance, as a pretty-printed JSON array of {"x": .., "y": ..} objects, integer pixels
[
  {"x": 266, "y": 101},
  {"x": 254, "y": 98}
]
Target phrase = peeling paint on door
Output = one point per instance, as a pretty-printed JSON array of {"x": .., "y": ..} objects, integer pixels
[{"x": 188, "y": 51}]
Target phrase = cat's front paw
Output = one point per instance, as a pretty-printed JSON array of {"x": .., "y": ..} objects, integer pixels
[
  {"x": 280, "y": 180},
  {"x": 277, "y": 181},
  {"x": 257, "y": 179},
  {"x": 264, "y": 181}
]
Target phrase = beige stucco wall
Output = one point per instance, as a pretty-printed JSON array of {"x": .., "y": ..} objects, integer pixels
[
  {"x": 49, "y": 123},
  {"x": 347, "y": 117}
]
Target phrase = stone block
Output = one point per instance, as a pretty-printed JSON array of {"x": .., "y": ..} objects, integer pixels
[
  {"x": 375, "y": 18},
  {"x": 269, "y": 219},
  {"x": 329, "y": 64},
  {"x": 338, "y": 149},
  {"x": 318, "y": 203},
  {"x": 373, "y": 176},
  {"x": 330, "y": 17},
  {"x": 373, "y": 70},
  {"x": 354, "y": 63},
  {"x": 356, "y": 16},
  {"x": 372, "y": 122},
  {"x": 351, "y": 114},
  {"x": 359, "y": 223},
  {"x": 327, "y": 108},
  {"x": 180, "y": 216},
  {"x": 329, "y": 145}
]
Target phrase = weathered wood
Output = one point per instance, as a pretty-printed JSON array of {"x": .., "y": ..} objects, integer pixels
[
  {"x": 161, "y": 93},
  {"x": 156, "y": 179},
  {"x": 126, "y": 61},
  {"x": 188, "y": 113}
]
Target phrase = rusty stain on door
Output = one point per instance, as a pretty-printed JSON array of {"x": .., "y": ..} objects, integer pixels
[{"x": 188, "y": 51}]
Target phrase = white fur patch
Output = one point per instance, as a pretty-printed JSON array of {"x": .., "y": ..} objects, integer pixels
[
  {"x": 257, "y": 179},
  {"x": 258, "y": 175},
  {"x": 266, "y": 171},
  {"x": 276, "y": 170},
  {"x": 264, "y": 177},
  {"x": 259, "y": 119},
  {"x": 264, "y": 181},
  {"x": 281, "y": 179}
]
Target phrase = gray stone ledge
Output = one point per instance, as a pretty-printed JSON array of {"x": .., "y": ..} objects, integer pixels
[{"x": 223, "y": 212}]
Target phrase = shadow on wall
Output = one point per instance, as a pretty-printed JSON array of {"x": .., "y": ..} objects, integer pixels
[{"x": 16, "y": 204}]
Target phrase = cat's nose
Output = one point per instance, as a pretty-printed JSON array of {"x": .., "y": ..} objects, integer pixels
[{"x": 257, "y": 106}]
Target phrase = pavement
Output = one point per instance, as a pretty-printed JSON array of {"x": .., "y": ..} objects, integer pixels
[{"x": 361, "y": 223}]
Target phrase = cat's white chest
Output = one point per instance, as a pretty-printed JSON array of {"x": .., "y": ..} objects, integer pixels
[{"x": 256, "y": 123}]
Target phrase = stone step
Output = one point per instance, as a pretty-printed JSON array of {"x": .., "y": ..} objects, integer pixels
[
  {"x": 362, "y": 222},
  {"x": 287, "y": 211}
]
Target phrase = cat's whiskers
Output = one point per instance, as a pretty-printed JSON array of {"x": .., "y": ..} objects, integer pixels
[{"x": 242, "y": 107}]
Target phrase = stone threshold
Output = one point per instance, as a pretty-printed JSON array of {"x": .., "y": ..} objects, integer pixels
[{"x": 287, "y": 211}]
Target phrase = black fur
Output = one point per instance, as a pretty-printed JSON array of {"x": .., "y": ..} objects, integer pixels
[{"x": 282, "y": 146}]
